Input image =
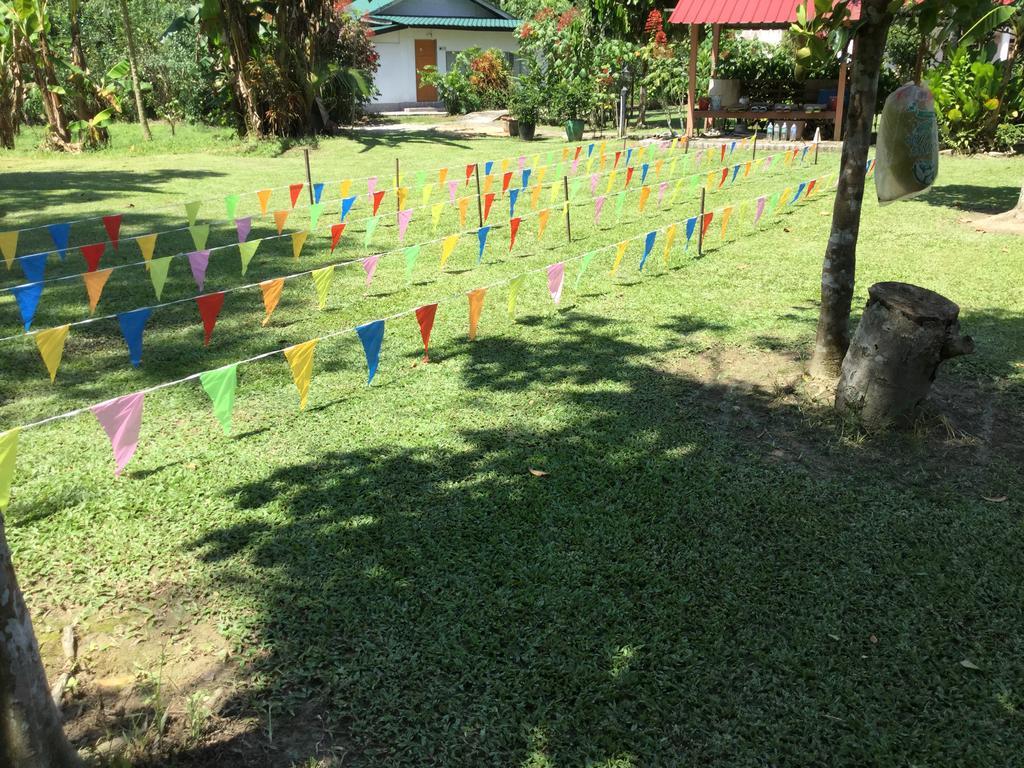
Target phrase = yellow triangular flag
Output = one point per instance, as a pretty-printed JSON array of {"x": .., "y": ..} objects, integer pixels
[
  {"x": 428, "y": 189},
  {"x": 542, "y": 222},
  {"x": 746, "y": 169},
  {"x": 619, "y": 253},
  {"x": 670, "y": 235},
  {"x": 447, "y": 247},
  {"x": 147, "y": 243},
  {"x": 555, "y": 186},
  {"x": 611, "y": 181},
  {"x": 271, "y": 296},
  {"x": 8, "y": 450},
  {"x": 298, "y": 240},
  {"x": 9, "y": 246},
  {"x": 504, "y": 165},
  {"x": 783, "y": 199},
  {"x": 476, "y": 306},
  {"x": 300, "y": 360},
  {"x": 657, "y": 166},
  {"x": 94, "y": 282},
  {"x": 158, "y": 274},
  {"x": 435, "y": 214},
  {"x": 513, "y": 293},
  {"x": 541, "y": 172},
  {"x": 51, "y": 347},
  {"x": 264, "y": 197},
  {"x": 488, "y": 181},
  {"x": 322, "y": 281},
  {"x": 535, "y": 196},
  {"x": 710, "y": 181},
  {"x": 200, "y": 233},
  {"x": 344, "y": 187},
  {"x": 280, "y": 217},
  {"x": 403, "y": 193}
]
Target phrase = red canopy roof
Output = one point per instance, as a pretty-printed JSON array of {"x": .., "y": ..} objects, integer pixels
[{"x": 743, "y": 12}]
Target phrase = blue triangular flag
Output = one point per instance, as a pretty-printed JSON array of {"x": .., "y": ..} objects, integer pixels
[
  {"x": 629, "y": 154},
  {"x": 643, "y": 172},
  {"x": 132, "y": 324},
  {"x": 371, "y": 334},
  {"x": 60, "y": 234},
  {"x": 318, "y": 189},
  {"x": 487, "y": 167},
  {"x": 648, "y": 245},
  {"x": 691, "y": 224},
  {"x": 481, "y": 235},
  {"x": 346, "y": 206},
  {"x": 732, "y": 147},
  {"x": 802, "y": 156},
  {"x": 513, "y": 195},
  {"x": 590, "y": 149},
  {"x": 735, "y": 170},
  {"x": 33, "y": 266},
  {"x": 526, "y": 178},
  {"x": 799, "y": 191},
  {"x": 27, "y": 297}
]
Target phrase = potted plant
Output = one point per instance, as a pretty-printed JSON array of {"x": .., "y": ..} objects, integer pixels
[
  {"x": 525, "y": 103},
  {"x": 572, "y": 101}
]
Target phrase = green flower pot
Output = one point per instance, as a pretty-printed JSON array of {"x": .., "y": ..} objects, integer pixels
[{"x": 574, "y": 130}]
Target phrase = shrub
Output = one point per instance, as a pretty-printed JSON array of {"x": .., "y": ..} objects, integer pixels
[
  {"x": 1010, "y": 137},
  {"x": 965, "y": 93},
  {"x": 490, "y": 77}
]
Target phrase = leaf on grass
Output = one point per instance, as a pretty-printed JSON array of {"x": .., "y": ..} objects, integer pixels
[
  {"x": 834, "y": 637},
  {"x": 538, "y": 472},
  {"x": 968, "y": 664},
  {"x": 996, "y": 499}
]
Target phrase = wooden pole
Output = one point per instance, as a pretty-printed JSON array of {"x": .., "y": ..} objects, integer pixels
[
  {"x": 568, "y": 224},
  {"x": 309, "y": 177},
  {"x": 700, "y": 224},
  {"x": 752, "y": 159},
  {"x": 479, "y": 204},
  {"x": 691, "y": 84},
  {"x": 398, "y": 183},
  {"x": 840, "y": 98}
]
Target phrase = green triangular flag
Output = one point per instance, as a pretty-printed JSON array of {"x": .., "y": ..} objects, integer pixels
[
  {"x": 371, "y": 227},
  {"x": 773, "y": 201},
  {"x": 513, "y": 293},
  {"x": 421, "y": 176},
  {"x": 551, "y": 156},
  {"x": 587, "y": 257},
  {"x": 231, "y": 205},
  {"x": 192, "y": 212},
  {"x": 574, "y": 188},
  {"x": 322, "y": 283},
  {"x": 558, "y": 169},
  {"x": 200, "y": 233},
  {"x": 220, "y": 386},
  {"x": 247, "y": 250},
  {"x": 693, "y": 181},
  {"x": 8, "y": 451},
  {"x": 314, "y": 214},
  {"x": 158, "y": 274},
  {"x": 411, "y": 254},
  {"x": 619, "y": 200}
]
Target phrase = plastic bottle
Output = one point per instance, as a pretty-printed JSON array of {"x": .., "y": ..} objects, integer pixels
[
  {"x": 792, "y": 132},
  {"x": 784, "y": 133},
  {"x": 770, "y": 132}
]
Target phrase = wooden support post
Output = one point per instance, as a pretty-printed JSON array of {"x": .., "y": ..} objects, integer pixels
[
  {"x": 700, "y": 224},
  {"x": 479, "y": 204},
  {"x": 691, "y": 84},
  {"x": 398, "y": 183},
  {"x": 840, "y": 98},
  {"x": 752, "y": 159},
  {"x": 568, "y": 223},
  {"x": 815, "y": 153},
  {"x": 309, "y": 177}
]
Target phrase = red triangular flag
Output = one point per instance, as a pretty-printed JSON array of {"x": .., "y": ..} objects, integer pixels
[
  {"x": 707, "y": 223},
  {"x": 629, "y": 175},
  {"x": 294, "y": 190},
  {"x": 92, "y": 254},
  {"x": 513, "y": 228},
  {"x": 617, "y": 156},
  {"x": 469, "y": 173},
  {"x": 377, "y": 198},
  {"x": 336, "y": 230},
  {"x": 113, "y": 226},
  {"x": 425, "y": 317},
  {"x": 725, "y": 175},
  {"x": 505, "y": 181},
  {"x": 209, "y": 308},
  {"x": 488, "y": 201},
  {"x": 723, "y": 153},
  {"x": 810, "y": 186},
  {"x": 578, "y": 150}
]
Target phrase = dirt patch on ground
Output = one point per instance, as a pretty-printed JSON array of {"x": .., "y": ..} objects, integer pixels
[{"x": 1009, "y": 223}]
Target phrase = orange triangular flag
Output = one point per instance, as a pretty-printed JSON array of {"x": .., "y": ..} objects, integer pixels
[
  {"x": 336, "y": 230},
  {"x": 442, "y": 175},
  {"x": 271, "y": 296},
  {"x": 542, "y": 222},
  {"x": 476, "y": 306},
  {"x": 94, "y": 282},
  {"x": 294, "y": 191},
  {"x": 264, "y": 197},
  {"x": 280, "y": 217}
]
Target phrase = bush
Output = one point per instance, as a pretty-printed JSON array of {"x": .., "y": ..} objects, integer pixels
[
  {"x": 1010, "y": 137},
  {"x": 527, "y": 98},
  {"x": 491, "y": 79},
  {"x": 477, "y": 80},
  {"x": 965, "y": 94}
]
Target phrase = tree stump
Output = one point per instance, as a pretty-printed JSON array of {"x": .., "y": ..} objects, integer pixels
[{"x": 904, "y": 334}]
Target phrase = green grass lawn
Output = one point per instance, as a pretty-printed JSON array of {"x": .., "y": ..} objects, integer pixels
[{"x": 705, "y": 568}]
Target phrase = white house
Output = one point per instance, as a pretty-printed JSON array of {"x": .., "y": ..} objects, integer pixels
[{"x": 410, "y": 34}]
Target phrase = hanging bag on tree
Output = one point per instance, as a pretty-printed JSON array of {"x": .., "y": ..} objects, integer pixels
[{"x": 907, "y": 155}]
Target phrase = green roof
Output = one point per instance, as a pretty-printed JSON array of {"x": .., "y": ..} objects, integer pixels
[{"x": 451, "y": 22}]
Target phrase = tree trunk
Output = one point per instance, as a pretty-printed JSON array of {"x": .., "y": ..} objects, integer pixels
[
  {"x": 79, "y": 85},
  {"x": 903, "y": 336},
  {"x": 129, "y": 34},
  {"x": 239, "y": 52},
  {"x": 839, "y": 267},
  {"x": 45, "y": 77},
  {"x": 31, "y": 735}
]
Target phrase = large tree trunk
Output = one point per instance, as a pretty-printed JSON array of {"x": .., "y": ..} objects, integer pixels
[
  {"x": 904, "y": 335},
  {"x": 45, "y": 77},
  {"x": 239, "y": 51},
  {"x": 129, "y": 34},
  {"x": 31, "y": 735},
  {"x": 838, "y": 270}
]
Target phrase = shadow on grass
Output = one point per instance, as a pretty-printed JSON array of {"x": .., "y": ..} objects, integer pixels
[
  {"x": 705, "y": 574},
  {"x": 973, "y": 198}
]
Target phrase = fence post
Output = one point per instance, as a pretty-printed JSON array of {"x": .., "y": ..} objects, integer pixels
[
  {"x": 700, "y": 224},
  {"x": 479, "y": 205},
  {"x": 568, "y": 224},
  {"x": 622, "y": 111},
  {"x": 398, "y": 184},
  {"x": 309, "y": 178},
  {"x": 752, "y": 159}
]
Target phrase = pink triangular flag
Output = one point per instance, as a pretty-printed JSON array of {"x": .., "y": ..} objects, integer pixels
[
  {"x": 121, "y": 419},
  {"x": 760, "y": 209},
  {"x": 593, "y": 182},
  {"x": 661, "y": 191},
  {"x": 452, "y": 186},
  {"x": 198, "y": 261},
  {"x": 522, "y": 162},
  {"x": 371, "y": 185},
  {"x": 404, "y": 217},
  {"x": 556, "y": 276},
  {"x": 243, "y": 226},
  {"x": 598, "y": 206},
  {"x": 370, "y": 265},
  {"x": 575, "y": 165}
]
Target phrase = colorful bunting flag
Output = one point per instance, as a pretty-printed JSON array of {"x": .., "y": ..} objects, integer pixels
[
  {"x": 147, "y": 244},
  {"x": 442, "y": 174},
  {"x": 50, "y": 344},
  {"x": 620, "y": 251},
  {"x": 428, "y": 189},
  {"x": 322, "y": 282},
  {"x": 513, "y": 195},
  {"x": 488, "y": 202},
  {"x": 481, "y": 235},
  {"x": 525, "y": 178},
  {"x": 121, "y": 419},
  {"x": 691, "y": 225},
  {"x": 404, "y": 217},
  {"x": 371, "y": 334},
  {"x": 346, "y": 206},
  {"x": 300, "y": 361},
  {"x": 209, "y": 305},
  {"x": 556, "y": 278},
  {"x": 488, "y": 167},
  {"x": 294, "y": 190},
  {"x": 513, "y": 228},
  {"x": 620, "y": 199},
  {"x": 27, "y": 298},
  {"x": 425, "y": 317},
  {"x": 645, "y": 192},
  {"x": 318, "y": 190},
  {"x": 447, "y": 247},
  {"x": 113, "y": 226},
  {"x": 371, "y": 186},
  {"x": 476, "y": 306},
  {"x": 231, "y": 205},
  {"x": 370, "y": 267},
  {"x": 8, "y": 452},
  {"x": 132, "y": 324},
  {"x": 403, "y": 195},
  {"x": 271, "y": 290},
  {"x": 192, "y": 211},
  {"x": 662, "y": 187},
  {"x": 411, "y": 254},
  {"x": 158, "y": 274},
  {"x": 435, "y": 215},
  {"x": 336, "y": 232},
  {"x": 34, "y": 267},
  {"x": 725, "y": 175},
  {"x": 587, "y": 258},
  {"x": 378, "y": 197},
  {"x": 514, "y": 286},
  {"x": 760, "y": 209},
  {"x": 92, "y": 255},
  {"x": 452, "y": 186},
  {"x": 220, "y": 384},
  {"x": 463, "y": 210},
  {"x": 799, "y": 191},
  {"x": 314, "y": 214},
  {"x": 298, "y": 240},
  {"x": 735, "y": 171},
  {"x": 707, "y": 223},
  {"x": 94, "y": 282},
  {"x": 629, "y": 177},
  {"x": 243, "y": 227},
  {"x": 9, "y": 246},
  {"x": 726, "y": 214},
  {"x": 643, "y": 172},
  {"x": 542, "y": 222},
  {"x": 810, "y": 186},
  {"x": 344, "y": 187},
  {"x": 535, "y": 195},
  {"x": 200, "y": 233},
  {"x": 371, "y": 227},
  {"x": 670, "y": 236},
  {"x": 247, "y": 250},
  {"x": 648, "y": 246}
]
